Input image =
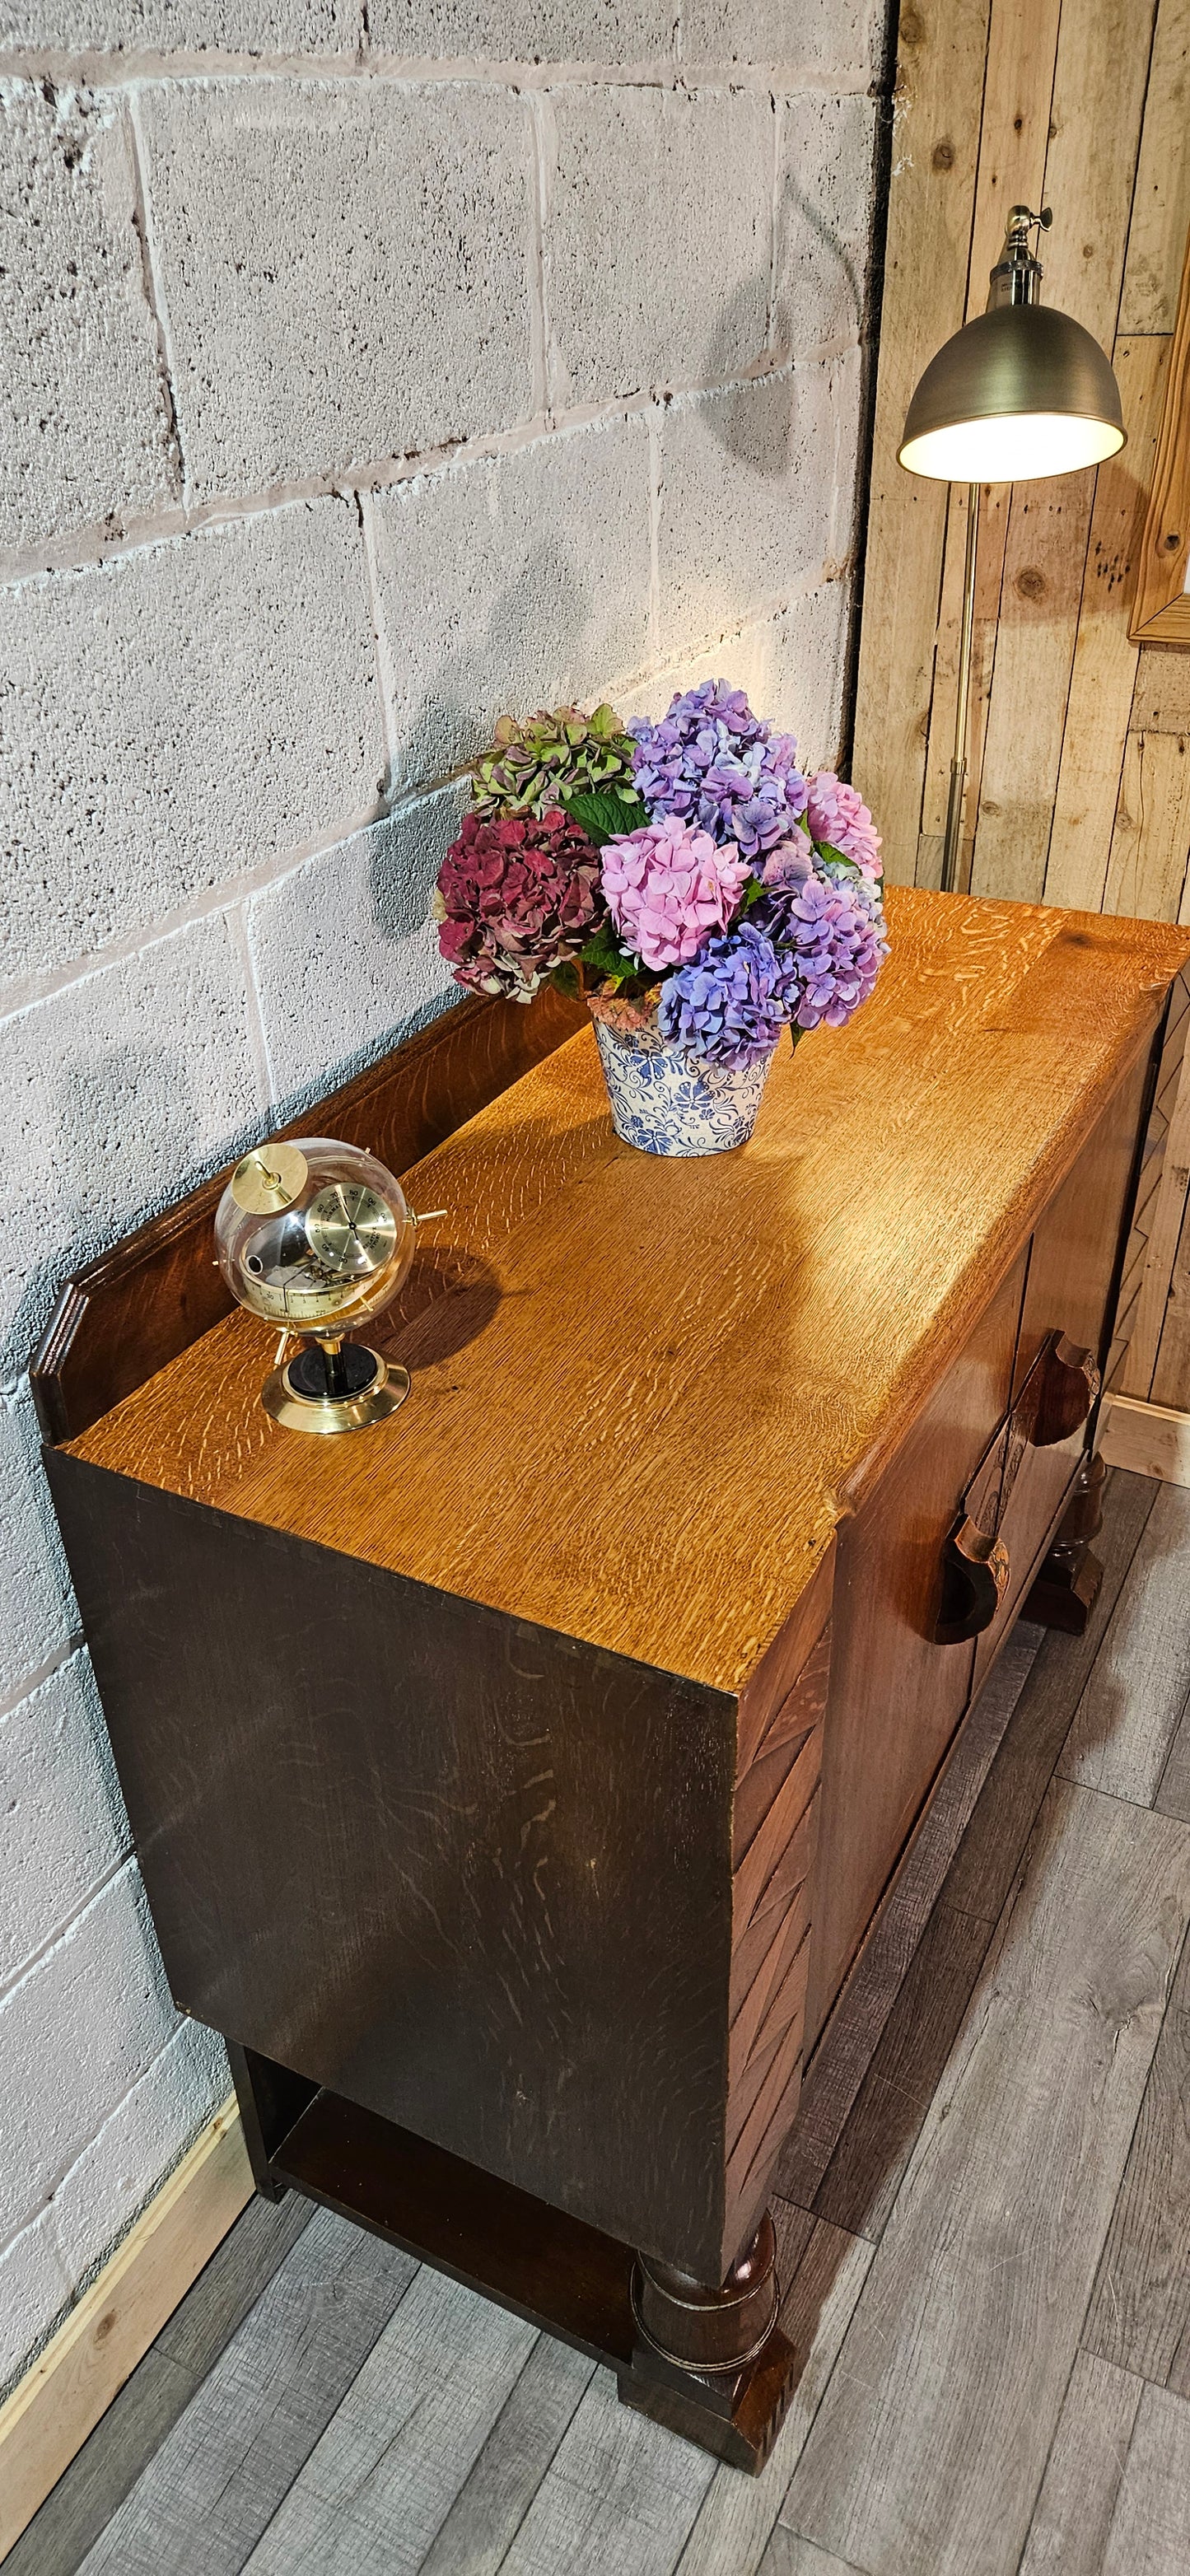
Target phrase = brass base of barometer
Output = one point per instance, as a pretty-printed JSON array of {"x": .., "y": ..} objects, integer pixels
[{"x": 329, "y": 1386}]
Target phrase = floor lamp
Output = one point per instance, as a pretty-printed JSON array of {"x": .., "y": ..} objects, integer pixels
[{"x": 1020, "y": 392}]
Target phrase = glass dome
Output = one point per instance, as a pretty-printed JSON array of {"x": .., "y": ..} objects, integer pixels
[{"x": 314, "y": 1236}]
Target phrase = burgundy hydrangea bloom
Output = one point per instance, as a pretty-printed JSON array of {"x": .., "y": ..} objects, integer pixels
[{"x": 515, "y": 897}]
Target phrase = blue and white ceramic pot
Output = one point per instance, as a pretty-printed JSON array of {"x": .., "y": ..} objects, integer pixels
[{"x": 667, "y": 1102}]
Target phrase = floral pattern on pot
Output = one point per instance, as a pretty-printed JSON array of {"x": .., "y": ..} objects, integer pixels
[{"x": 664, "y": 1101}]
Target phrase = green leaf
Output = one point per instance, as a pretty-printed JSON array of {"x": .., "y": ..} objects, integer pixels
[
  {"x": 567, "y": 979},
  {"x": 613, "y": 964},
  {"x": 752, "y": 894},
  {"x": 605, "y": 811},
  {"x": 837, "y": 857}
]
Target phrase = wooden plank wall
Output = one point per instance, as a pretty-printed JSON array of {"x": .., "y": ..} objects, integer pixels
[{"x": 1080, "y": 742}]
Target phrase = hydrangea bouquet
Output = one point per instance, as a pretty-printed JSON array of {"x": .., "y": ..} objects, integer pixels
[{"x": 688, "y": 878}]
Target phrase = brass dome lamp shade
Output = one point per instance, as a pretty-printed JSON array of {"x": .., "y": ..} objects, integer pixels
[{"x": 1022, "y": 391}]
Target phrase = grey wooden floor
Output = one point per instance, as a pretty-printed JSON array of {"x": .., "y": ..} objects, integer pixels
[{"x": 985, "y": 2231}]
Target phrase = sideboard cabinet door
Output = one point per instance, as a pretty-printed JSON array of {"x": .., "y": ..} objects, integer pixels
[
  {"x": 896, "y": 1695},
  {"x": 1069, "y": 1289}
]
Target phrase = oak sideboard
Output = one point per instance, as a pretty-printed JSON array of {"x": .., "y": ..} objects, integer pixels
[{"x": 515, "y": 1783}]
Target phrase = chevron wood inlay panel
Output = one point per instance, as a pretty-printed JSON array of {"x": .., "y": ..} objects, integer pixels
[{"x": 775, "y": 1825}]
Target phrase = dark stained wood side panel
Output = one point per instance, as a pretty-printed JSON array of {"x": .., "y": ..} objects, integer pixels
[
  {"x": 458, "y": 1869},
  {"x": 125, "y": 1315}
]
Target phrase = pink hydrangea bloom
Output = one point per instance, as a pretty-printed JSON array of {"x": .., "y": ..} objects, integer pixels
[
  {"x": 669, "y": 888},
  {"x": 837, "y": 814}
]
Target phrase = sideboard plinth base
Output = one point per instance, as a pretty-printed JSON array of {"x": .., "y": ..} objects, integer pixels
[
  {"x": 561, "y": 2275},
  {"x": 1067, "y": 1581},
  {"x": 737, "y": 2417}
]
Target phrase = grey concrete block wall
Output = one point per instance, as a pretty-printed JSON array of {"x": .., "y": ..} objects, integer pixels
[{"x": 370, "y": 369}]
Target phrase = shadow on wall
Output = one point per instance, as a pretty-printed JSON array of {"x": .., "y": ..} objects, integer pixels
[
  {"x": 104, "y": 1102},
  {"x": 442, "y": 736}
]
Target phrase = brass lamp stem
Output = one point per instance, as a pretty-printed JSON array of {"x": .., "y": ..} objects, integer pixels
[{"x": 958, "y": 767}]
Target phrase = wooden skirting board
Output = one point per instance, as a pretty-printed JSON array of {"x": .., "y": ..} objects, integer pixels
[
  {"x": 1148, "y": 1439},
  {"x": 72, "y": 2383}
]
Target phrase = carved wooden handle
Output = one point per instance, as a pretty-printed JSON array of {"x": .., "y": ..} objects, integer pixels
[
  {"x": 1053, "y": 1403},
  {"x": 1068, "y": 1388},
  {"x": 975, "y": 1572}
]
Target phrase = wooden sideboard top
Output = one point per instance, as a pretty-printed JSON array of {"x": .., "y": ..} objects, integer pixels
[{"x": 645, "y": 1391}]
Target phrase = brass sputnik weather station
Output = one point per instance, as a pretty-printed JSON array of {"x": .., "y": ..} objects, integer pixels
[{"x": 318, "y": 1238}]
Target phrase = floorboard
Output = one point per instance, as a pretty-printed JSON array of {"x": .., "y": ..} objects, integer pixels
[
  {"x": 1073, "y": 2513},
  {"x": 135, "y": 2426},
  {"x": 1140, "y": 2311},
  {"x": 619, "y": 2498},
  {"x": 122, "y": 2447},
  {"x": 216, "y": 2481},
  {"x": 1173, "y": 1796},
  {"x": 376, "y": 2488},
  {"x": 786, "y": 2555},
  {"x": 1128, "y": 1715},
  {"x": 497, "y": 2492},
  {"x": 228, "y": 2288},
  {"x": 1150, "y": 2532},
  {"x": 864, "y": 2175},
  {"x": 930, "y": 2445}
]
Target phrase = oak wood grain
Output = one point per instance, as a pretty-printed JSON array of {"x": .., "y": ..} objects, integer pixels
[
  {"x": 1157, "y": 1217},
  {"x": 134, "y": 1308},
  {"x": 844, "y": 2051},
  {"x": 883, "y": 1748},
  {"x": 933, "y": 2437},
  {"x": 516, "y": 1474}
]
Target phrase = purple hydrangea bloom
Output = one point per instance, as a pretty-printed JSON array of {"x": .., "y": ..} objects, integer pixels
[
  {"x": 832, "y": 931},
  {"x": 730, "y": 1006},
  {"x": 719, "y": 766}
]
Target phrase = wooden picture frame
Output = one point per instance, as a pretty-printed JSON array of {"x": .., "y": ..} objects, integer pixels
[{"x": 1161, "y": 609}]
